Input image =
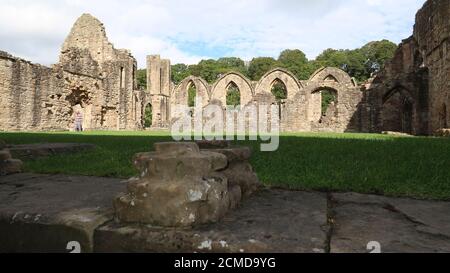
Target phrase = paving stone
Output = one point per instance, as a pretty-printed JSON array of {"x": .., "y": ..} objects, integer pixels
[
  {"x": 42, "y": 213},
  {"x": 34, "y": 151},
  {"x": 398, "y": 224},
  {"x": 269, "y": 221}
]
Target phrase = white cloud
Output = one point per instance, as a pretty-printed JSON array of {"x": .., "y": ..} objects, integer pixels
[{"x": 187, "y": 31}]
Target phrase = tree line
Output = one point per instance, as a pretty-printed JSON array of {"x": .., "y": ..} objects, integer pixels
[{"x": 359, "y": 63}]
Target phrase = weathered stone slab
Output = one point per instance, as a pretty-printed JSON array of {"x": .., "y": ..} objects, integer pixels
[
  {"x": 4, "y": 155},
  {"x": 400, "y": 134},
  {"x": 235, "y": 154},
  {"x": 33, "y": 151},
  {"x": 270, "y": 221},
  {"x": 442, "y": 133},
  {"x": 399, "y": 225},
  {"x": 178, "y": 186},
  {"x": 239, "y": 172},
  {"x": 42, "y": 213},
  {"x": 10, "y": 166},
  {"x": 213, "y": 144}
]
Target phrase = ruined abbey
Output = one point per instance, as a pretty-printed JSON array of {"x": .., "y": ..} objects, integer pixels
[{"x": 410, "y": 94}]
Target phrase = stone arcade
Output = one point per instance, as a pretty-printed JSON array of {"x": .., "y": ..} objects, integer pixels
[{"x": 410, "y": 95}]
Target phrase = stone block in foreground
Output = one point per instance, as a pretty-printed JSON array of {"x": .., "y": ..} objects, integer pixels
[
  {"x": 8, "y": 165},
  {"x": 178, "y": 185},
  {"x": 399, "y": 225},
  {"x": 42, "y": 213},
  {"x": 239, "y": 171},
  {"x": 269, "y": 221}
]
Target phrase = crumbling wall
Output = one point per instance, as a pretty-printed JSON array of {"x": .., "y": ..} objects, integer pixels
[
  {"x": 342, "y": 115},
  {"x": 91, "y": 77},
  {"x": 300, "y": 111},
  {"x": 87, "y": 51},
  {"x": 411, "y": 93},
  {"x": 23, "y": 87},
  {"x": 432, "y": 33}
]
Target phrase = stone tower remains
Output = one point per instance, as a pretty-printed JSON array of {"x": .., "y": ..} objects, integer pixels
[
  {"x": 159, "y": 87},
  {"x": 91, "y": 77}
]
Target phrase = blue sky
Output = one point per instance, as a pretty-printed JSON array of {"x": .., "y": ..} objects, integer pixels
[{"x": 190, "y": 30}]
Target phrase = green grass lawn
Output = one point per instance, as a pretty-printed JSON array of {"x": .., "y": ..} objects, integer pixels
[{"x": 394, "y": 166}]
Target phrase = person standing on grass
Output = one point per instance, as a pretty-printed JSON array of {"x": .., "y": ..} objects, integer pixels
[{"x": 78, "y": 121}]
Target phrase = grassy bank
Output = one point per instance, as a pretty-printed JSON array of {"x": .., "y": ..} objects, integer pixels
[{"x": 395, "y": 166}]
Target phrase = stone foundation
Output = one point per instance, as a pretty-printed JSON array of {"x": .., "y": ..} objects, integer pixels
[
  {"x": 442, "y": 133},
  {"x": 239, "y": 172},
  {"x": 43, "y": 213},
  {"x": 8, "y": 165},
  {"x": 181, "y": 185}
]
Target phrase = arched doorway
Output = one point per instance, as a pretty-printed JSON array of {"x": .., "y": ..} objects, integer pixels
[
  {"x": 279, "y": 91},
  {"x": 233, "y": 95},
  {"x": 397, "y": 113},
  {"x": 443, "y": 117},
  {"x": 324, "y": 105},
  {"x": 148, "y": 116},
  {"x": 80, "y": 102},
  {"x": 192, "y": 94},
  {"x": 329, "y": 103}
]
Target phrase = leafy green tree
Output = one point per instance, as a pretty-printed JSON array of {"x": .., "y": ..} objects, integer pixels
[
  {"x": 355, "y": 66},
  {"x": 231, "y": 62},
  {"x": 260, "y": 66},
  {"x": 360, "y": 63},
  {"x": 377, "y": 53},
  {"x": 233, "y": 95},
  {"x": 192, "y": 94},
  {"x": 206, "y": 69},
  {"x": 180, "y": 72},
  {"x": 351, "y": 61},
  {"x": 328, "y": 97},
  {"x": 279, "y": 91},
  {"x": 296, "y": 62},
  {"x": 334, "y": 58},
  {"x": 148, "y": 116},
  {"x": 141, "y": 76}
]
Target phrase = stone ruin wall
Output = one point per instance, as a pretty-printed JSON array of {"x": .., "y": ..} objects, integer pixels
[
  {"x": 432, "y": 33},
  {"x": 91, "y": 77},
  {"x": 412, "y": 93},
  {"x": 300, "y": 111}
]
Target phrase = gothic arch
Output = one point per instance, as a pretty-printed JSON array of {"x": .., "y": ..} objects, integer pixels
[
  {"x": 180, "y": 93},
  {"x": 398, "y": 89},
  {"x": 219, "y": 89},
  {"x": 332, "y": 74},
  {"x": 292, "y": 84},
  {"x": 398, "y": 110}
]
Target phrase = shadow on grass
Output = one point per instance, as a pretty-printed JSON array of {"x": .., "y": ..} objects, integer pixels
[{"x": 393, "y": 166}]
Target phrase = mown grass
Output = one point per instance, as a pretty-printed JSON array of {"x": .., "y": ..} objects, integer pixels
[{"x": 395, "y": 166}]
